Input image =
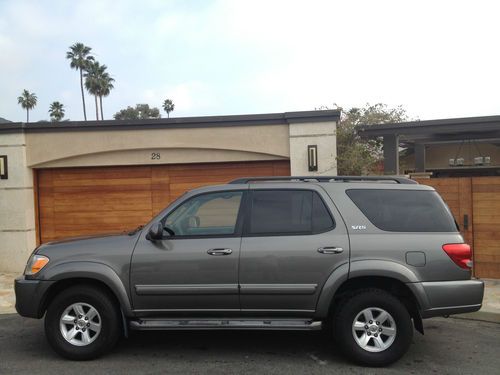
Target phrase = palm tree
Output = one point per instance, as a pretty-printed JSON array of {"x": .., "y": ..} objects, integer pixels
[
  {"x": 105, "y": 87},
  {"x": 168, "y": 106},
  {"x": 28, "y": 102},
  {"x": 93, "y": 76},
  {"x": 80, "y": 58},
  {"x": 56, "y": 111}
]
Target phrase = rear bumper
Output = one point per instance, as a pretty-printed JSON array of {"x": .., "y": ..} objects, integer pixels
[
  {"x": 448, "y": 297},
  {"x": 30, "y": 295}
]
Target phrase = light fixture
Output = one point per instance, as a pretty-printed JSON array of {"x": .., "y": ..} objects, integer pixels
[
  {"x": 3, "y": 167},
  {"x": 312, "y": 158}
]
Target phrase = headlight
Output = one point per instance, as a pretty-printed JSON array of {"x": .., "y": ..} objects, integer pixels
[{"x": 35, "y": 264}]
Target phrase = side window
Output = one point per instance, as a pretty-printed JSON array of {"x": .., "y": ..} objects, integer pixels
[
  {"x": 287, "y": 212},
  {"x": 404, "y": 210},
  {"x": 321, "y": 219},
  {"x": 206, "y": 214}
]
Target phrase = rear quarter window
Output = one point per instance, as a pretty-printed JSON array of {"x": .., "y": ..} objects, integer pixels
[{"x": 404, "y": 210}]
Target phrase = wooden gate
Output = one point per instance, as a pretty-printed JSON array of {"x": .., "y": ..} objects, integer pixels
[{"x": 475, "y": 203}]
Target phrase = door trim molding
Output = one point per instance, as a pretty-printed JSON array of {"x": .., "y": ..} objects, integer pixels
[
  {"x": 186, "y": 289},
  {"x": 278, "y": 288}
]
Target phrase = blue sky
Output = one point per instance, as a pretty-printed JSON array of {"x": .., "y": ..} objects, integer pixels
[{"x": 436, "y": 58}]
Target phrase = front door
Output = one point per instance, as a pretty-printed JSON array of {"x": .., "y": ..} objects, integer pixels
[
  {"x": 293, "y": 240},
  {"x": 195, "y": 267}
]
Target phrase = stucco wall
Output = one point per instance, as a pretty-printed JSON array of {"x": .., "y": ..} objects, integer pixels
[
  {"x": 71, "y": 149},
  {"x": 322, "y": 134},
  {"x": 17, "y": 218}
]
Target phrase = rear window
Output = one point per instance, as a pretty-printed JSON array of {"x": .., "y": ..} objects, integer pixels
[{"x": 404, "y": 210}]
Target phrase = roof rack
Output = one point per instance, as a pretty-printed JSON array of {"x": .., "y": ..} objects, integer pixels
[{"x": 393, "y": 179}]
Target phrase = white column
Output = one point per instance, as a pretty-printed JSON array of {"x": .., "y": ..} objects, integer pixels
[
  {"x": 321, "y": 134},
  {"x": 17, "y": 206}
]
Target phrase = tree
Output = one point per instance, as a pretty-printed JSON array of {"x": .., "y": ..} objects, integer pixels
[
  {"x": 355, "y": 155},
  {"x": 105, "y": 86},
  {"x": 168, "y": 106},
  {"x": 80, "y": 58},
  {"x": 28, "y": 102},
  {"x": 140, "y": 112},
  {"x": 94, "y": 81},
  {"x": 56, "y": 111}
]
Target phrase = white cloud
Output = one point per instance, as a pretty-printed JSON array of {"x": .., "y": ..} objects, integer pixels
[{"x": 438, "y": 59}]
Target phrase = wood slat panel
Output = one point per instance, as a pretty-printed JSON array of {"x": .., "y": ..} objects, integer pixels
[
  {"x": 94, "y": 200},
  {"x": 486, "y": 203}
]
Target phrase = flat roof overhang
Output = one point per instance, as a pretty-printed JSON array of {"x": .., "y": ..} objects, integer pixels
[
  {"x": 437, "y": 131},
  {"x": 420, "y": 133},
  {"x": 175, "y": 123}
]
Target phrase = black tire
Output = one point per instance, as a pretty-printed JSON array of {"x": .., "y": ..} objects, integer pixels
[
  {"x": 110, "y": 320},
  {"x": 348, "y": 311}
]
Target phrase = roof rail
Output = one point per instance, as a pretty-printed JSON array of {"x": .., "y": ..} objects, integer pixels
[{"x": 394, "y": 179}]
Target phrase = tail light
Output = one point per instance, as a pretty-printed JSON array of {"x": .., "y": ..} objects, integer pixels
[{"x": 459, "y": 253}]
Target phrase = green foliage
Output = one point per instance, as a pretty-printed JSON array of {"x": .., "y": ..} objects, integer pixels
[
  {"x": 98, "y": 82},
  {"x": 357, "y": 156},
  {"x": 56, "y": 111},
  {"x": 27, "y": 100},
  {"x": 168, "y": 106},
  {"x": 80, "y": 58},
  {"x": 140, "y": 112}
]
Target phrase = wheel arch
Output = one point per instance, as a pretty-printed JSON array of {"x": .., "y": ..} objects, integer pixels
[
  {"x": 389, "y": 276},
  {"x": 100, "y": 275}
]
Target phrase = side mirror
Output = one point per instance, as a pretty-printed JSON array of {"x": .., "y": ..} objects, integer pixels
[{"x": 155, "y": 232}]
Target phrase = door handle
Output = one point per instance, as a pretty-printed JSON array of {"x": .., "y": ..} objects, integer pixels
[
  {"x": 330, "y": 250},
  {"x": 219, "y": 251}
]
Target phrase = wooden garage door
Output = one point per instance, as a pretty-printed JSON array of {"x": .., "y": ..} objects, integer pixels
[{"x": 84, "y": 201}]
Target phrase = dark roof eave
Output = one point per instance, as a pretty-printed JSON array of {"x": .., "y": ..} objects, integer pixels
[
  {"x": 465, "y": 124},
  {"x": 177, "y": 122}
]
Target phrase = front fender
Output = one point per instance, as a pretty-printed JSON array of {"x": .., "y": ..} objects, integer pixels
[{"x": 94, "y": 271}]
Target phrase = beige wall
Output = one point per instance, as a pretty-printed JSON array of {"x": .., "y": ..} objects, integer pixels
[
  {"x": 123, "y": 147},
  {"x": 17, "y": 217},
  {"x": 322, "y": 134}
]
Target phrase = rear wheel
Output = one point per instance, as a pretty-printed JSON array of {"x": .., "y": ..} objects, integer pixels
[
  {"x": 82, "y": 323},
  {"x": 373, "y": 327}
]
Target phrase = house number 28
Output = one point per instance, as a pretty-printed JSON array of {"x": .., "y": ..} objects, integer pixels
[{"x": 155, "y": 156}]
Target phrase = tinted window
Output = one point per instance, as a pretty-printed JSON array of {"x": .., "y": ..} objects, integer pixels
[
  {"x": 206, "y": 214},
  {"x": 404, "y": 210},
  {"x": 287, "y": 212},
  {"x": 321, "y": 219}
]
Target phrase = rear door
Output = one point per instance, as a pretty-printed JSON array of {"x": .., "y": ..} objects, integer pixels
[{"x": 293, "y": 239}]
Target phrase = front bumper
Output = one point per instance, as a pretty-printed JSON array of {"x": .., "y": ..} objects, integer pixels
[
  {"x": 440, "y": 298},
  {"x": 30, "y": 296}
]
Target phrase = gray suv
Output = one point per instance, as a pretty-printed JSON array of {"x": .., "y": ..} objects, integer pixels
[{"x": 367, "y": 257}]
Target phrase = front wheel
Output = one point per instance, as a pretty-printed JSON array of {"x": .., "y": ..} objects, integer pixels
[
  {"x": 82, "y": 323},
  {"x": 373, "y": 327}
]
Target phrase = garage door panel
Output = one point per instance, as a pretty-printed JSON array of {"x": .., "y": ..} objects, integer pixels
[{"x": 95, "y": 200}]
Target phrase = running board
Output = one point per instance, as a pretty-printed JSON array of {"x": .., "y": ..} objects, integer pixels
[{"x": 203, "y": 324}]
